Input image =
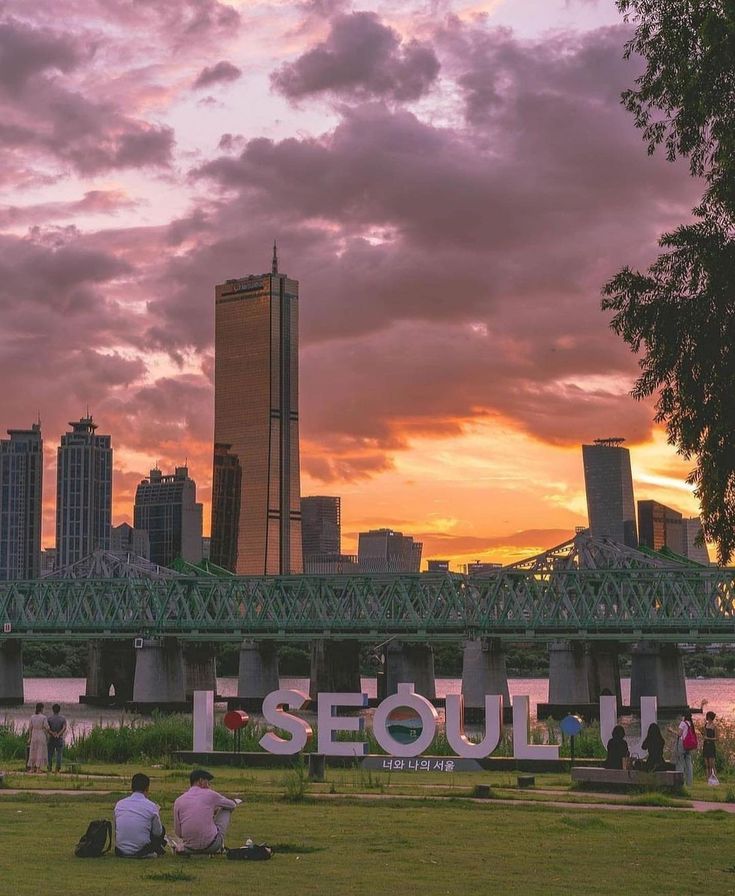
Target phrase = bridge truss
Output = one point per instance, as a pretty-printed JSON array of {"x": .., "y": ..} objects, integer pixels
[{"x": 673, "y": 603}]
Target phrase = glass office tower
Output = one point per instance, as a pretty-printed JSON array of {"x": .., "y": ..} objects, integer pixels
[{"x": 256, "y": 425}]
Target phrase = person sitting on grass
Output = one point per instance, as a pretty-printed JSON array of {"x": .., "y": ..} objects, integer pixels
[
  {"x": 617, "y": 748},
  {"x": 202, "y": 816},
  {"x": 139, "y": 833}
]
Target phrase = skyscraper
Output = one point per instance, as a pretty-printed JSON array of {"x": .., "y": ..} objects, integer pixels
[
  {"x": 226, "y": 503},
  {"x": 321, "y": 526},
  {"x": 21, "y": 486},
  {"x": 383, "y": 551},
  {"x": 83, "y": 493},
  {"x": 166, "y": 508},
  {"x": 608, "y": 483},
  {"x": 698, "y": 552},
  {"x": 256, "y": 422},
  {"x": 660, "y": 526}
]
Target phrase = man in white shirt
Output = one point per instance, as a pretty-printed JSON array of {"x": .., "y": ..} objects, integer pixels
[
  {"x": 202, "y": 816},
  {"x": 139, "y": 833}
]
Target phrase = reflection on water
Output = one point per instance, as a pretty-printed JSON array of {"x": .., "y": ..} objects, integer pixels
[{"x": 717, "y": 694}]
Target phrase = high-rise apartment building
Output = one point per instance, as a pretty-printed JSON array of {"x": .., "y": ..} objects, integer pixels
[
  {"x": 83, "y": 493},
  {"x": 660, "y": 526},
  {"x": 21, "y": 486},
  {"x": 321, "y": 526},
  {"x": 256, "y": 425},
  {"x": 692, "y": 530},
  {"x": 383, "y": 550},
  {"x": 166, "y": 508},
  {"x": 609, "y": 486}
]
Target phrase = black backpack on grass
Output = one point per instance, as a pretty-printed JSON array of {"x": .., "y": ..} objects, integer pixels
[
  {"x": 258, "y": 852},
  {"x": 96, "y": 841}
]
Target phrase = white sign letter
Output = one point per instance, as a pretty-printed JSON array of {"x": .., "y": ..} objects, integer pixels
[
  {"x": 273, "y": 711},
  {"x": 429, "y": 718},
  {"x": 522, "y": 749},
  {"x": 328, "y": 722},
  {"x": 203, "y": 719},
  {"x": 458, "y": 740}
]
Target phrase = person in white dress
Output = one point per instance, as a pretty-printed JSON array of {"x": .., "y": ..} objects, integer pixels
[{"x": 38, "y": 741}]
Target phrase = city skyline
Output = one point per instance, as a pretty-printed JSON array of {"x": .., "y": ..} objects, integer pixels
[{"x": 452, "y": 202}]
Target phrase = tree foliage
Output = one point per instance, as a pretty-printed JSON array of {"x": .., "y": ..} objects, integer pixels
[{"x": 680, "y": 315}]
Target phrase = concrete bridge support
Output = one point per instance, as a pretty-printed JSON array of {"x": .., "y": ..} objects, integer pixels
[
  {"x": 11, "y": 673},
  {"x": 569, "y": 687},
  {"x": 335, "y": 667},
  {"x": 258, "y": 673},
  {"x": 159, "y": 675},
  {"x": 483, "y": 672},
  {"x": 200, "y": 668},
  {"x": 110, "y": 664},
  {"x": 603, "y": 668},
  {"x": 408, "y": 663},
  {"x": 657, "y": 671}
]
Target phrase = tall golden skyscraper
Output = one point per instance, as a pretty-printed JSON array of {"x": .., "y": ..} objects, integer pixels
[{"x": 256, "y": 495}]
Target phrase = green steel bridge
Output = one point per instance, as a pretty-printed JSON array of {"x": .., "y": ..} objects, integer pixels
[{"x": 535, "y": 601}]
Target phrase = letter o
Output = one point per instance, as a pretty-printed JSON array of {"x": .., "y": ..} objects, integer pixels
[{"x": 429, "y": 717}]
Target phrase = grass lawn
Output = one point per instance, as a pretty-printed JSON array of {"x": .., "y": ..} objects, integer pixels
[{"x": 351, "y": 846}]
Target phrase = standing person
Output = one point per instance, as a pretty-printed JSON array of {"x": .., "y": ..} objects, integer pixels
[
  {"x": 202, "y": 816},
  {"x": 709, "y": 751},
  {"x": 37, "y": 741},
  {"x": 57, "y": 732},
  {"x": 686, "y": 744},
  {"x": 139, "y": 833}
]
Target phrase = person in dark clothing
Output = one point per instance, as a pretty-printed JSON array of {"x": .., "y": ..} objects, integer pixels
[
  {"x": 654, "y": 746},
  {"x": 617, "y": 748}
]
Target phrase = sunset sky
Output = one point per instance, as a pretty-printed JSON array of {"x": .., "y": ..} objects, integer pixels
[{"x": 451, "y": 182}]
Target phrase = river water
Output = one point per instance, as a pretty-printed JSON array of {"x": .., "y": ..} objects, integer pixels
[{"x": 716, "y": 694}]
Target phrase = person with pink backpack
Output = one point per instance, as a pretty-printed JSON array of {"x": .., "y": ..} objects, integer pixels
[{"x": 686, "y": 744}]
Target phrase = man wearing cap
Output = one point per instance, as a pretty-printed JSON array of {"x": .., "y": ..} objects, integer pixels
[{"x": 202, "y": 816}]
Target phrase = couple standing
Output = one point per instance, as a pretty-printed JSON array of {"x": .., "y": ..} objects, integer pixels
[{"x": 46, "y": 740}]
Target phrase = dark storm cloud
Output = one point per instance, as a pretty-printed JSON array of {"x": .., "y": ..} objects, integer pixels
[
  {"x": 360, "y": 58},
  {"x": 26, "y": 51},
  {"x": 222, "y": 72},
  {"x": 44, "y": 115}
]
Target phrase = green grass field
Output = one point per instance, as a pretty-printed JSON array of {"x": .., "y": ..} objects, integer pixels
[{"x": 361, "y": 834}]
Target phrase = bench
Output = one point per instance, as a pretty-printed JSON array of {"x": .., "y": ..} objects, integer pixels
[{"x": 625, "y": 777}]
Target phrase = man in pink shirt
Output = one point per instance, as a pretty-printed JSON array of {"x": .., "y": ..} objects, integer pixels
[{"x": 202, "y": 816}]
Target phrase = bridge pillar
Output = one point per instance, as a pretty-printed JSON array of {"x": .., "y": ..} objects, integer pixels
[
  {"x": 11, "y": 673},
  {"x": 604, "y": 671},
  {"x": 408, "y": 663},
  {"x": 657, "y": 670},
  {"x": 200, "y": 668},
  {"x": 159, "y": 675},
  {"x": 258, "y": 673},
  {"x": 483, "y": 672},
  {"x": 109, "y": 664},
  {"x": 569, "y": 689},
  {"x": 335, "y": 667}
]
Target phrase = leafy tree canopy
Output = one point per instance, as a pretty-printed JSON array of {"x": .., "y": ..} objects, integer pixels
[{"x": 680, "y": 315}]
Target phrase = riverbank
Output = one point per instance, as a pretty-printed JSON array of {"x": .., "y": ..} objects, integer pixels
[{"x": 359, "y": 833}]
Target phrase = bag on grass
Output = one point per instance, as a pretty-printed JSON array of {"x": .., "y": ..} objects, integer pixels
[
  {"x": 713, "y": 780},
  {"x": 96, "y": 841},
  {"x": 689, "y": 741},
  {"x": 257, "y": 852}
]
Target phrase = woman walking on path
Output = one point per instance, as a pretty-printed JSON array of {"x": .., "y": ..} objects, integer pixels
[
  {"x": 709, "y": 751},
  {"x": 38, "y": 742}
]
